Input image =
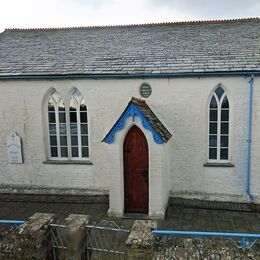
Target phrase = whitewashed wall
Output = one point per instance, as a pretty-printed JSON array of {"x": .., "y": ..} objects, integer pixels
[
  {"x": 181, "y": 104},
  {"x": 255, "y": 165}
]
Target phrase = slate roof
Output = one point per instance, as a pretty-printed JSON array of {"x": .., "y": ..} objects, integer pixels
[
  {"x": 209, "y": 46},
  {"x": 148, "y": 115},
  {"x": 153, "y": 120}
]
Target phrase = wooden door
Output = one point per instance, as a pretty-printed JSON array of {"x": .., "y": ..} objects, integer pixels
[{"x": 136, "y": 178}]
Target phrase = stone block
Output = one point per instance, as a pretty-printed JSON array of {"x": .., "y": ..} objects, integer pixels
[
  {"x": 140, "y": 242},
  {"x": 76, "y": 238},
  {"x": 33, "y": 238}
]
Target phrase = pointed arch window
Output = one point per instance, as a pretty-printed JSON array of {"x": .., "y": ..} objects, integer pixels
[
  {"x": 68, "y": 127},
  {"x": 57, "y": 127},
  {"x": 78, "y": 126},
  {"x": 218, "y": 126}
]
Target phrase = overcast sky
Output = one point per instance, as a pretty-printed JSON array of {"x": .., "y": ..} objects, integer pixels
[{"x": 65, "y": 13}]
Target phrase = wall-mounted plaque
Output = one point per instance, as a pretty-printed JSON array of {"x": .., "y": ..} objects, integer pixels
[
  {"x": 145, "y": 90},
  {"x": 14, "y": 148}
]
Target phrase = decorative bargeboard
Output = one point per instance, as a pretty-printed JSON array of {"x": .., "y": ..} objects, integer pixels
[{"x": 133, "y": 111}]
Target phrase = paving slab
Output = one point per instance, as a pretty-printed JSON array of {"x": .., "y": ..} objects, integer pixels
[{"x": 177, "y": 218}]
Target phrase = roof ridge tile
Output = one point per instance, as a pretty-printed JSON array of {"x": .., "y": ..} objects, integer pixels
[{"x": 194, "y": 22}]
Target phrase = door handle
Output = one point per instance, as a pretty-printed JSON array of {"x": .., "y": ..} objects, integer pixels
[{"x": 145, "y": 173}]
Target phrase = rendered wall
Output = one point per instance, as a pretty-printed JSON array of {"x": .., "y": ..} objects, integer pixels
[{"x": 181, "y": 104}]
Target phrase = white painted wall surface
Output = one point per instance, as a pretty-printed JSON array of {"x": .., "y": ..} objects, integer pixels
[
  {"x": 181, "y": 104},
  {"x": 158, "y": 190}
]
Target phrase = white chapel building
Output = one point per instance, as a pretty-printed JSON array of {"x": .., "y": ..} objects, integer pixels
[{"x": 143, "y": 114}]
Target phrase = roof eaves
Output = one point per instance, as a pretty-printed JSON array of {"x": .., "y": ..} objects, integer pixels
[{"x": 10, "y": 76}]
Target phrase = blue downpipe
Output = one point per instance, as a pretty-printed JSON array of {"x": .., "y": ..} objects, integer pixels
[{"x": 249, "y": 141}]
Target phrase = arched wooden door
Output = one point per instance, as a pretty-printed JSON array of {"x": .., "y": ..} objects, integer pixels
[{"x": 136, "y": 177}]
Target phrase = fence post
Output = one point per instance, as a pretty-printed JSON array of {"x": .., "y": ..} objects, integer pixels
[
  {"x": 33, "y": 238},
  {"x": 140, "y": 242},
  {"x": 76, "y": 235}
]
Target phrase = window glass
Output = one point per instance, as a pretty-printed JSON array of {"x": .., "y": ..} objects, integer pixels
[
  {"x": 83, "y": 106},
  {"x": 84, "y": 140},
  {"x": 213, "y": 115},
  {"x": 73, "y": 129},
  {"x": 52, "y": 117},
  {"x": 84, "y": 129},
  {"x": 213, "y": 102},
  {"x": 53, "y": 140},
  {"x": 74, "y": 140},
  {"x": 57, "y": 129},
  {"x": 73, "y": 105},
  {"x": 75, "y": 152},
  {"x": 218, "y": 126},
  {"x": 51, "y": 106},
  {"x": 68, "y": 127},
  {"x": 78, "y": 126},
  {"x": 83, "y": 117},
  {"x": 213, "y": 128},
  {"x": 224, "y": 115},
  {"x": 225, "y": 103},
  {"x": 219, "y": 92},
  {"x": 213, "y": 141},
  {"x": 73, "y": 117},
  {"x": 52, "y": 129},
  {"x": 63, "y": 140},
  {"x": 64, "y": 152},
  {"x": 212, "y": 153},
  {"x": 61, "y": 106},
  {"x": 224, "y": 153},
  {"x": 54, "y": 151},
  {"x": 85, "y": 152},
  {"x": 224, "y": 141}
]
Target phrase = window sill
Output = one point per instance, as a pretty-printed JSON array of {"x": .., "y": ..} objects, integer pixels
[
  {"x": 68, "y": 162},
  {"x": 218, "y": 165}
]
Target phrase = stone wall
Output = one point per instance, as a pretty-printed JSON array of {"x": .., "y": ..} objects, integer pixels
[
  {"x": 142, "y": 244},
  {"x": 181, "y": 248},
  {"x": 34, "y": 240}
]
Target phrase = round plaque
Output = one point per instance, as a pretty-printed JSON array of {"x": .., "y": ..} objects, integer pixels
[{"x": 145, "y": 90}]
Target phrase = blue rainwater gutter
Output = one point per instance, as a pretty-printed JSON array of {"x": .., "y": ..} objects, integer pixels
[{"x": 249, "y": 141}]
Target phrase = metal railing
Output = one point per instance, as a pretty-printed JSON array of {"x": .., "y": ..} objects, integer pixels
[
  {"x": 12, "y": 222},
  {"x": 9, "y": 225},
  {"x": 244, "y": 243},
  {"x": 104, "y": 240},
  {"x": 61, "y": 242}
]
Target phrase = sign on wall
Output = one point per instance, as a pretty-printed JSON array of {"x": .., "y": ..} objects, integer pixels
[
  {"x": 145, "y": 90},
  {"x": 14, "y": 148}
]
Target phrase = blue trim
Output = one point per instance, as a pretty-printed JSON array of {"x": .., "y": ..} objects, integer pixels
[
  {"x": 133, "y": 111},
  {"x": 12, "y": 222},
  {"x": 134, "y": 75},
  {"x": 199, "y": 233},
  {"x": 244, "y": 244},
  {"x": 249, "y": 140}
]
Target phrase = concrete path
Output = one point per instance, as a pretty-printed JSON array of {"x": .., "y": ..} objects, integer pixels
[{"x": 177, "y": 218}]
